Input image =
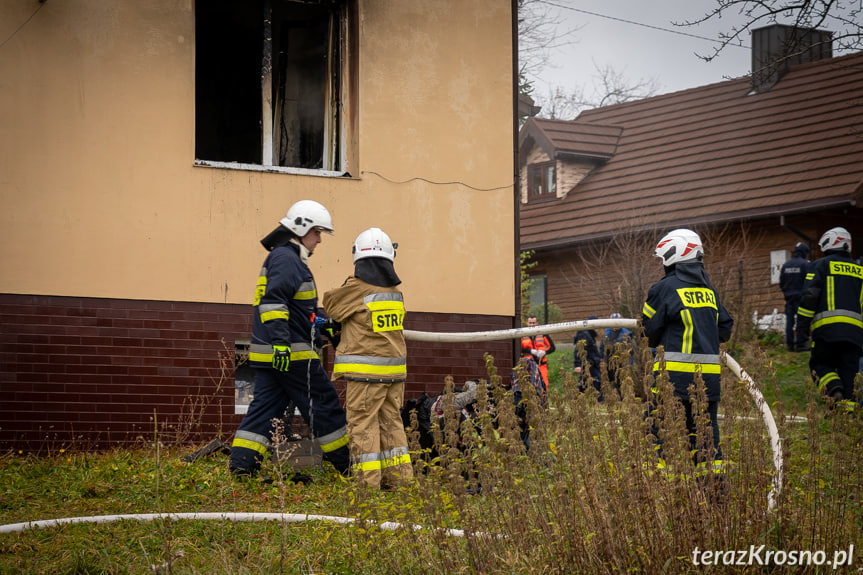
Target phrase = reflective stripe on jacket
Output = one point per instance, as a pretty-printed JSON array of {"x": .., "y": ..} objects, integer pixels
[
  {"x": 372, "y": 341},
  {"x": 684, "y": 315},
  {"x": 285, "y": 301},
  {"x": 832, "y": 303}
]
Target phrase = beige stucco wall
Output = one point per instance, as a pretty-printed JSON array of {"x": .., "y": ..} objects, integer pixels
[{"x": 101, "y": 198}]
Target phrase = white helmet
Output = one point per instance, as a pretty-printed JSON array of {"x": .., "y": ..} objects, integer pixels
[
  {"x": 305, "y": 215},
  {"x": 679, "y": 245},
  {"x": 374, "y": 243},
  {"x": 835, "y": 239}
]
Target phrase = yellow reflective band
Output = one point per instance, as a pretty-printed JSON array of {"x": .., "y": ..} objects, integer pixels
[
  {"x": 810, "y": 275},
  {"x": 253, "y": 445},
  {"x": 688, "y": 328},
  {"x": 384, "y": 305},
  {"x": 271, "y": 315},
  {"x": 261, "y": 357},
  {"x": 688, "y": 367},
  {"x": 295, "y": 356},
  {"x": 802, "y": 311},
  {"x": 648, "y": 311},
  {"x": 261, "y": 288},
  {"x": 399, "y": 460},
  {"x": 837, "y": 319},
  {"x": 333, "y": 445},
  {"x": 306, "y": 295},
  {"x": 831, "y": 293},
  {"x": 846, "y": 269},
  {"x": 370, "y": 369},
  {"x": 368, "y": 466},
  {"x": 827, "y": 378},
  {"x": 697, "y": 297},
  {"x": 303, "y": 355}
]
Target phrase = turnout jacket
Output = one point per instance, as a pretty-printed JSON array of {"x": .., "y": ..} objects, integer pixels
[
  {"x": 684, "y": 315},
  {"x": 285, "y": 303},
  {"x": 832, "y": 302},
  {"x": 372, "y": 344}
]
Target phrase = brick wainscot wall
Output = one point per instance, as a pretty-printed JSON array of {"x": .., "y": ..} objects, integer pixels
[{"x": 87, "y": 373}]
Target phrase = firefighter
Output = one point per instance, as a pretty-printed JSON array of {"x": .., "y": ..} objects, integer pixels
[
  {"x": 285, "y": 347},
  {"x": 538, "y": 347},
  {"x": 683, "y": 314},
  {"x": 372, "y": 358},
  {"x": 832, "y": 306}
]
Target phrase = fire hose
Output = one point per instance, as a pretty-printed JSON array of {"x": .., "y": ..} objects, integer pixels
[
  {"x": 631, "y": 324},
  {"x": 446, "y": 337}
]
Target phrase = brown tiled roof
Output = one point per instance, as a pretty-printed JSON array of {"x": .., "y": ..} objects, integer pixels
[
  {"x": 560, "y": 138},
  {"x": 712, "y": 154}
]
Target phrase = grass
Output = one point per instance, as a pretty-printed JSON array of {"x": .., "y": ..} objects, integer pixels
[{"x": 586, "y": 498}]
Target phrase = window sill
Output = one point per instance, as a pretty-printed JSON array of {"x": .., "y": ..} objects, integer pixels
[
  {"x": 542, "y": 199},
  {"x": 271, "y": 169}
]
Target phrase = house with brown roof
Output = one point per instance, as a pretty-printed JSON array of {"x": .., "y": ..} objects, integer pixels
[
  {"x": 753, "y": 164},
  {"x": 146, "y": 149}
]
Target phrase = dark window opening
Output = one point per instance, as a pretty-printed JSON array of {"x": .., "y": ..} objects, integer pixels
[{"x": 268, "y": 86}]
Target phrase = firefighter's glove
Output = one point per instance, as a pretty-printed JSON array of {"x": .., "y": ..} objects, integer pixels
[
  {"x": 281, "y": 357},
  {"x": 330, "y": 328},
  {"x": 538, "y": 354}
]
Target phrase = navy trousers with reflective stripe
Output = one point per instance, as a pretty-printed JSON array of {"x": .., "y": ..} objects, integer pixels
[
  {"x": 839, "y": 357},
  {"x": 315, "y": 397},
  {"x": 698, "y": 456}
]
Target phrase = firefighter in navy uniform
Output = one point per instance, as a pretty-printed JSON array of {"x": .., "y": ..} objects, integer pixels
[
  {"x": 285, "y": 347},
  {"x": 683, "y": 314},
  {"x": 832, "y": 306},
  {"x": 372, "y": 357},
  {"x": 791, "y": 278}
]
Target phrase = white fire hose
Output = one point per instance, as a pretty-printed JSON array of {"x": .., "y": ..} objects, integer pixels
[
  {"x": 446, "y": 337},
  {"x": 227, "y": 516},
  {"x": 631, "y": 324}
]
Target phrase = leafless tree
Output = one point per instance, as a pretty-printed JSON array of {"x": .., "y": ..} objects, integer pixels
[
  {"x": 610, "y": 86},
  {"x": 842, "y": 17},
  {"x": 538, "y": 36},
  {"x": 620, "y": 269}
]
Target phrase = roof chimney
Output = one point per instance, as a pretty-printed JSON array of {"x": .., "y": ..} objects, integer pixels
[{"x": 777, "y": 47}]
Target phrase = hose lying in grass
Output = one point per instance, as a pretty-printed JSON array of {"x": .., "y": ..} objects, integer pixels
[
  {"x": 631, "y": 324},
  {"x": 284, "y": 517}
]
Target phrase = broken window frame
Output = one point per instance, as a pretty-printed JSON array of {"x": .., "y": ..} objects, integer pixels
[{"x": 338, "y": 84}]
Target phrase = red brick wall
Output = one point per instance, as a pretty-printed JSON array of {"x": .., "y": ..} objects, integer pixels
[{"x": 82, "y": 373}]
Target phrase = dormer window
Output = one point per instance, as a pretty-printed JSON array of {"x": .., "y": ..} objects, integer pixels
[{"x": 541, "y": 181}]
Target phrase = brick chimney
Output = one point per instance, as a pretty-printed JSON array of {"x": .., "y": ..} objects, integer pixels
[{"x": 777, "y": 47}]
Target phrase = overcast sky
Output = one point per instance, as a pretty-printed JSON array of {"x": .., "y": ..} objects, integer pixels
[{"x": 607, "y": 32}]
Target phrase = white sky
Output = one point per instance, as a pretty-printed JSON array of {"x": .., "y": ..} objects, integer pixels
[{"x": 638, "y": 52}]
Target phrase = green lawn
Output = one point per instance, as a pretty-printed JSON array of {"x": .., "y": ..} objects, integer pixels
[{"x": 586, "y": 497}]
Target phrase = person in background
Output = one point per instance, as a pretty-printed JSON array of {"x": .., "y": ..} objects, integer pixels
[
  {"x": 538, "y": 347},
  {"x": 613, "y": 336},
  {"x": 372, "y": 358},
  {"x": 684, "y": 315},
  {"x": 585, "y": 342},
  {"x": 791, "y": 277},
  {"x": 832, "y": 307},
  {"x": 285, "y": 347}
]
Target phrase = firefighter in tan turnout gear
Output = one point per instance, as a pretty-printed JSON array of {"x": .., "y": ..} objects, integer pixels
[{"x": 371, "y": 357}]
